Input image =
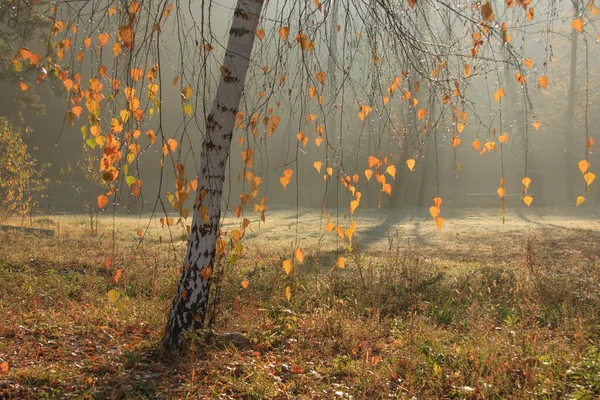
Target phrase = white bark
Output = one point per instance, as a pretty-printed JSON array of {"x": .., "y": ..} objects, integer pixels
[{"x": 191, "y": 300}]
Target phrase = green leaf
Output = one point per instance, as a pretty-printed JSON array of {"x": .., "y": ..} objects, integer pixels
[
  {"x": 188, "y": 109},
  {"x": 120, "y": 304},
  {"x": 130, "y": 180},
  {"x": 113, "y": 295},
  {"x": 84, "y": 131},
  {"x": 91, "y": 142}
]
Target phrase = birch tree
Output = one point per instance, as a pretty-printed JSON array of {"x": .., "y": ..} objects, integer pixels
[{"x": 190, "y": 303}]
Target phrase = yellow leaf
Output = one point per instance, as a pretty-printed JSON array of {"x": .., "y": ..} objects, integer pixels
[
  {"x": 102, "y": 201},
  {"x": 460, "y": 127},
  {"x": 439, "y": 222},
  {"x": 329, "y": 226},
  {"x": 580, "y": 200},
  {"x": 318, "y": 141},
  {"x": 410, "y": 163},
  {"x": 434, "y": 211},
  {"x": 113, "y": 295},
  {"x": 299, "y": 255},
  {"x": 318, "y": 165},
  {"x": 527, "y": 200},
  {"x": 526, "y": 182},
  {"x": 288, "y": 293},
  {"x": 584, "y": 165},
  {"x": 287, "y": 266},
  {"x": 244, "y": 284},
  {"x": 577, "y": 25},
  {"x": 368, "y": 174},
  {"x": 589, "y": 178},
  {"x": 391, "y": 170},
  {"x": 341, "y": 262}
]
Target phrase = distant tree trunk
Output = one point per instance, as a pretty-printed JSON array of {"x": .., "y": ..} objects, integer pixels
[
  {"x": 190, "y": 303},
  {"x": 570, "y": 117}
]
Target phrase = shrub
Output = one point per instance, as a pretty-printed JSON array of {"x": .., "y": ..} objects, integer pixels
[{"x": 21, "y": 181}]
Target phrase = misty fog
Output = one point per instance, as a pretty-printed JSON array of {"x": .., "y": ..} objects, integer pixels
[{"x": 361, "y": 57}]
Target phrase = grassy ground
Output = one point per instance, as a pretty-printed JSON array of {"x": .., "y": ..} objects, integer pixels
[{"x": 479, "y": 311}]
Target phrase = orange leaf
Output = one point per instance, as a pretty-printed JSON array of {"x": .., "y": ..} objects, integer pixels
[
  {"x": 353, "y": 205},
  {"x": 528, "y": 200},
  {"x": 434, "y": 211},
  {"x": 498, "y": 95},
  {"x": 528, "y": 63},
  {"x": 580, "y": 200},
  {"x": 589, "y": 178},
  {"x": 341, "y": 262},
  {"x": 437, "y": 201},
  {"x": 288, "y": 293},
  {"x": 520, "y": 78},
  {"x": 422, "y": 113},
  {"x": 318, "y": 165},
  {"x": 439, "y": 222},
  {"x": 299, "y": 255},
  {"x": 140, "y": 233},
  {"x": 321, "y": 77},
  {"x": 590, "y": 143},
  {"x": 374, "y": 162},
  {"x": 486, "y": 11},
  {"x": 102, "y": 201},
  {"x": 503, "y": 138},
  {"x": 501, "y": 192},
  {"x": 107, "y": 263},
  {"x": 387, "y": 189},
  {"x": 526, "y": 182},
  {"x": 543, "y": 81},
  {"x": 118, "y": 274},
  {"x": 584, "y": 165},
  {"x": 368, "y": 174},
  {"x": 244, "y": 284},
  {"x": 284, "y": 181},
  {"x": 536, "y": 125},
  {"x": 287, "y": 266},
  {"x": 455, "y": 141},
  {"x": 476, "y": 144},
  {"x": 206, "y": 273},
  {"x": 103, "y": 39},
  {"x": 284, "y": 31},
  {"x": 460, "y": 127},
  {"x": 4, "y": 367},
  {"x": 410, "y": 163},
  {"x": 23, "y": 86},
  {"x": 577, "y": 24},
  {"x": 260, "y": 34}
]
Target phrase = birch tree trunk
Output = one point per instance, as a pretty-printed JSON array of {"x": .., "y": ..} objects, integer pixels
[{"x": 190, "y": 303}]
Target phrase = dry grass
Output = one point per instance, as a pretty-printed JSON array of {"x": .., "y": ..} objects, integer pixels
[{"x": 480, "y": 310}]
